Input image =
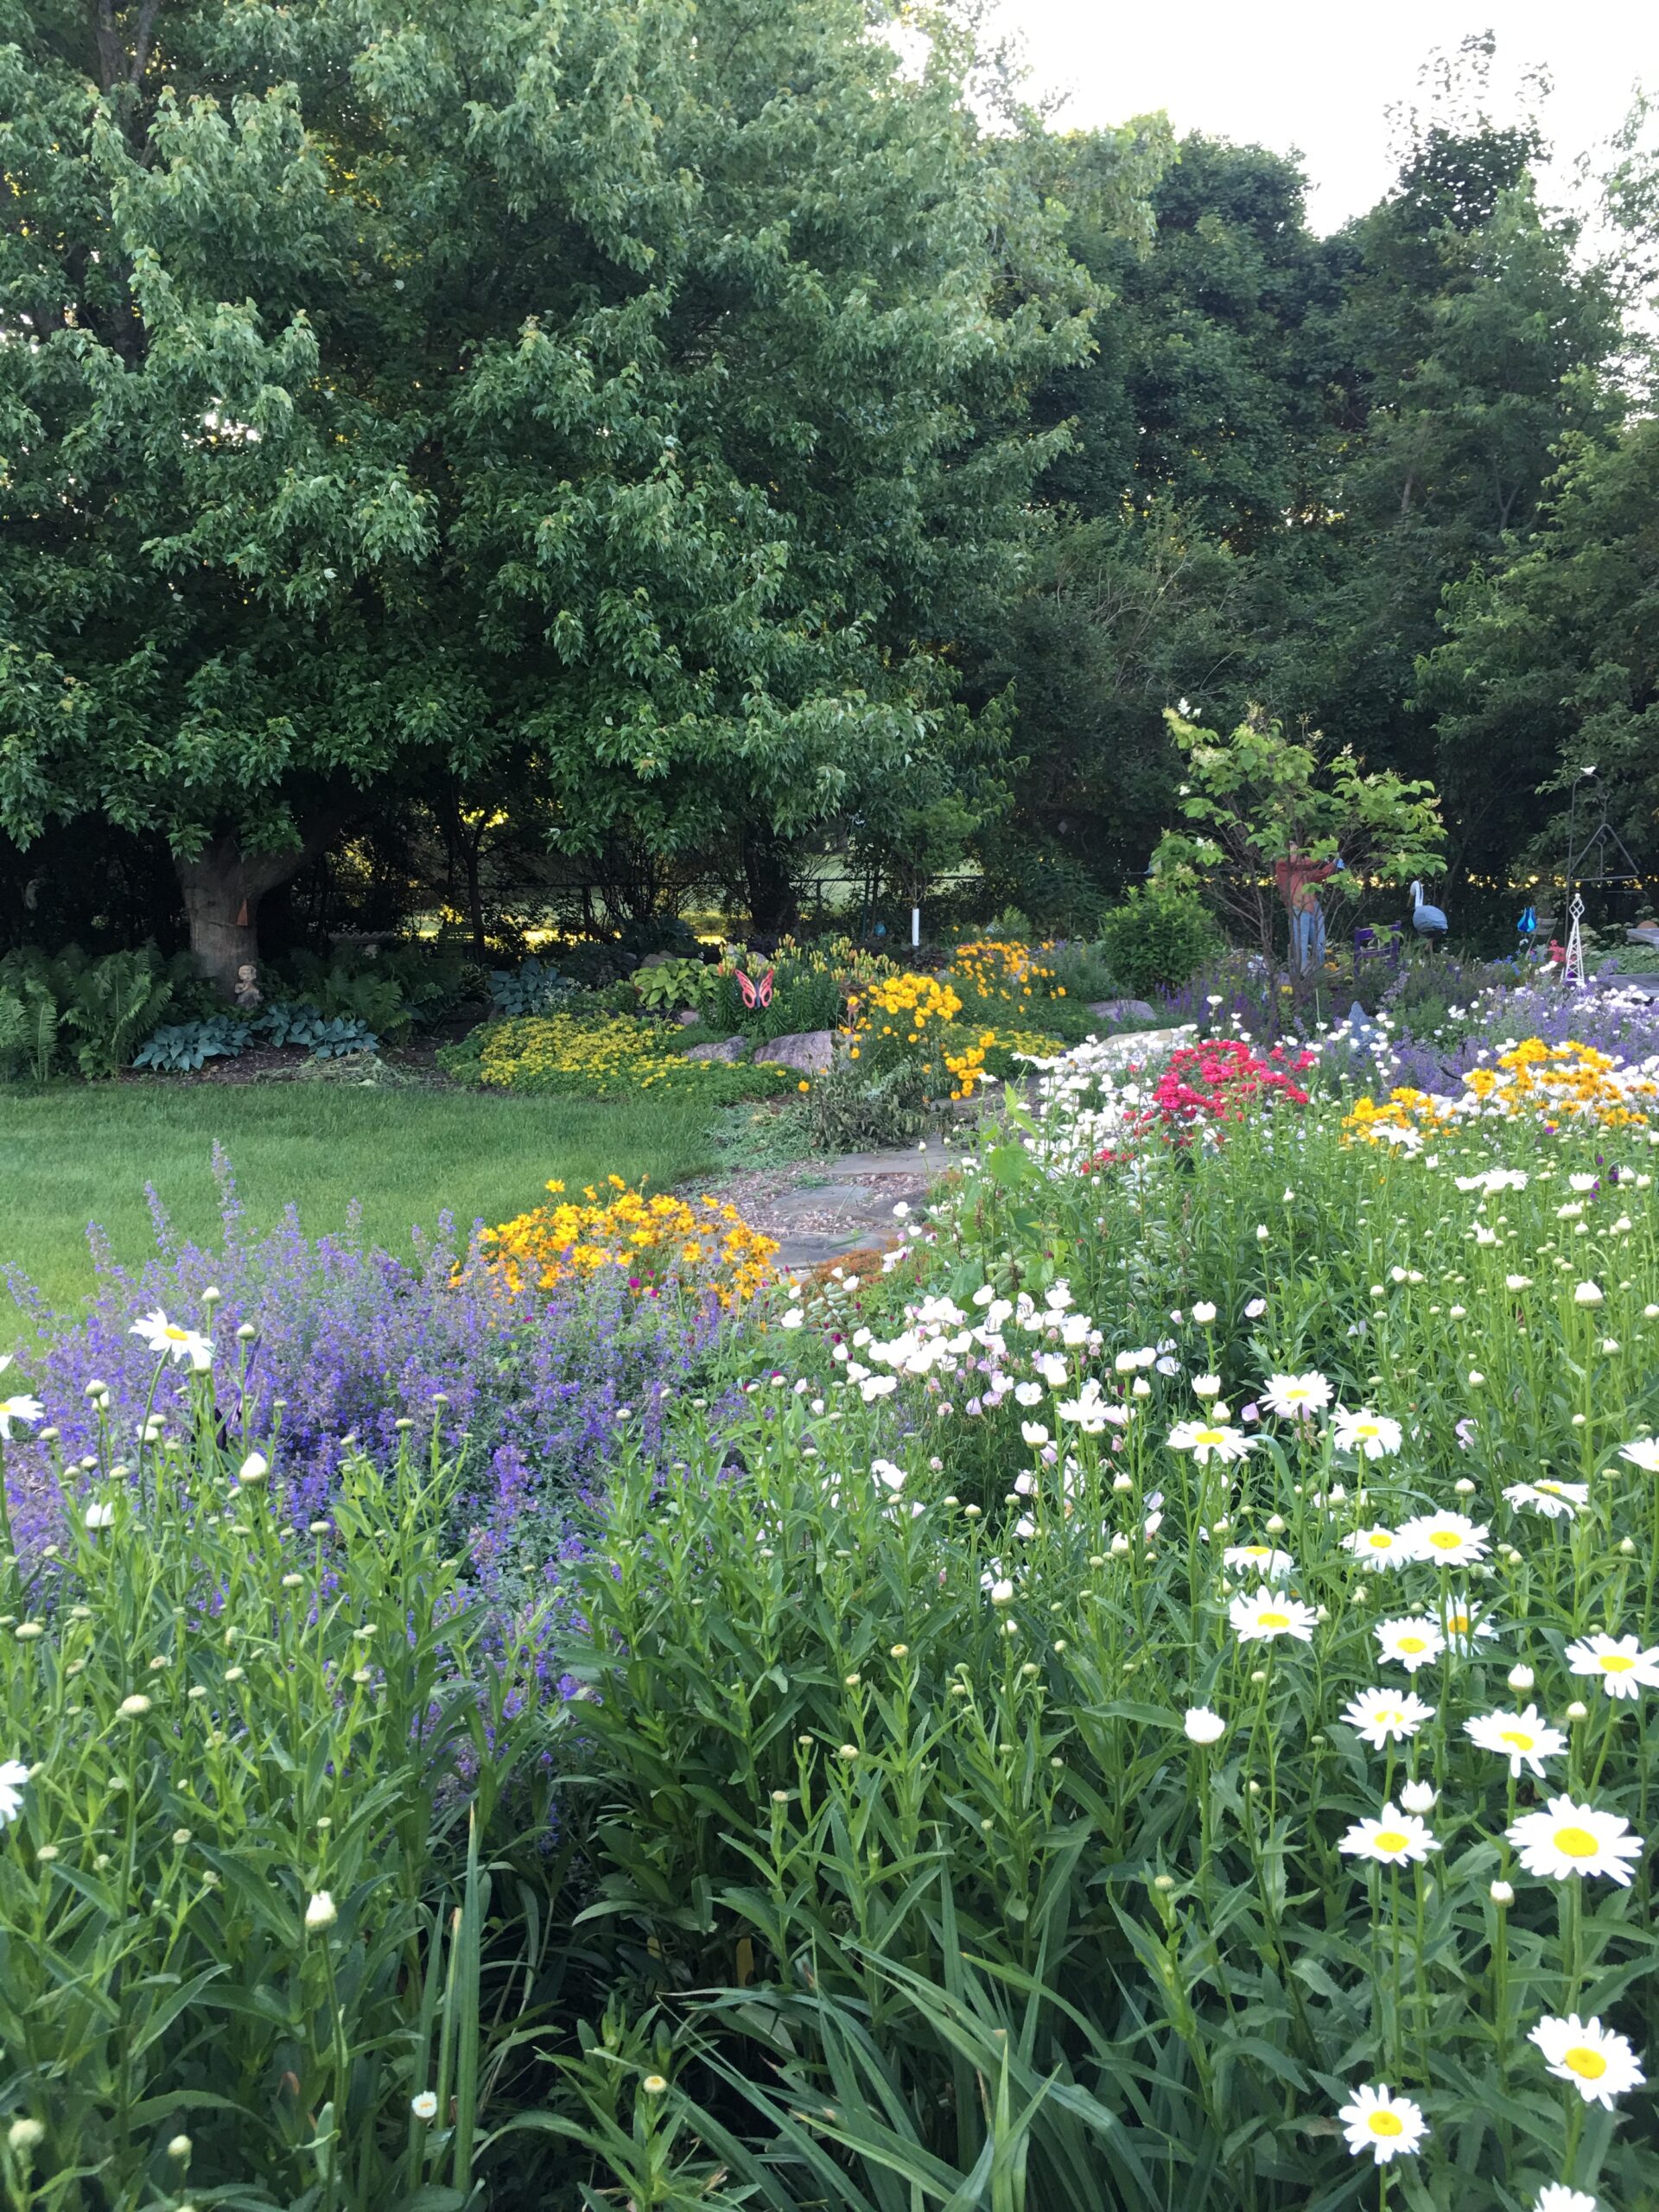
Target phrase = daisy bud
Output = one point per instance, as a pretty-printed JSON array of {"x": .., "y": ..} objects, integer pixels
[
  {"x": 254, "y": 1468},
  {"x": 25, "y": 2135},
  {"x": 1275, "y": 1524},
  {"x": 1165, "y": 1883},
  {"x": 180, "y": 2148},
  {"x": 1419, "y": 1797},
  {"x": 1520, "y": 1678},
  {"x": 1578, "y": 1711},
  {"x": 653, "y": 2085},
  {"x": 424, "y": 2105},
  {"x": 1501, "y": 1893},
  {"x": 1464, "y": 1487},
  {"x": 321, "y": 1912},
  {"x": 1627, "y": 1545}
]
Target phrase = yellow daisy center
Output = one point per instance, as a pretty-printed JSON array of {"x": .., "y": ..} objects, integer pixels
[
  {"x": 176, "y": 1334},
  {"x": 1209, "y": 1436},
  {"x": 1588, "y": 2064},
  {"x": 1391, "y": 1840},
  {"x": 1273, "y": 1620},
  {"x": 1615, "y": 1662},
  {"x": 1381, "y": 1541},
  {"x": 1386, "y": 2123},
  {"x": 1413, "y": 1643},
  {"x": 1519, "y": 1738},
  {"x": 1576, "y": 1843},
  {"x": 1445, "y": 1540}
]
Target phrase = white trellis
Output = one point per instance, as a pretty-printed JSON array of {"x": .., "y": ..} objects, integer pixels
[{"x": 1573, "y": 966}]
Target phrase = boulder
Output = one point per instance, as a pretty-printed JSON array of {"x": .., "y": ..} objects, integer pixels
[
  {"x": 809, "y": 1052},
  {"x": 1122, "y": 1010},
  {"x": 730, "y": 1048},
  {"x": 688, "y": 1017}
]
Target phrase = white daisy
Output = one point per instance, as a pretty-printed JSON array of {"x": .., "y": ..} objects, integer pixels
[
  {"x": 1261, "y": 1558},
  {"x": 1625, "y": 1669},
  {"x": 1644, "y": 1453},
  {"x": 1385, "y": 1716},
  {"x": 1394, "y": 1839},
  {"x": 1526, "y": 1739},
  {"x": 1295, "y": 1396},
  {"x": 1461, "y": 1626},
  {"x": 1376, "y": 1548},
  {"x": 13, "y": 1775},
  {"x": 1374, "y": 2120},
  {"x": 1208, "y": 1440},
  {"x": 1444, "y": 1539},
  {"x": 1571, "y": 1839},
  {"x": 1202, "y": 1726},
  {"x": 161, "y": 1335},
  {"x": 1555, "y": 1500},
  {"x": 19, "y": 1409},
  {"x": 1412, "y": 1642},
  {"x": 1373, "y": 1435},
  {"x": 1556, "y": 2197},
  {"x": 1266, "y": 1615},
  {"x": 1598, "y": 2063}
]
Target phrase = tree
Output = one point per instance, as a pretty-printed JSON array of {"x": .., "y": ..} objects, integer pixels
[
  {"x": 1257, "y": 797},
  {"x": 612, "y": 396},
  {"x": 1550, "y": 661}
]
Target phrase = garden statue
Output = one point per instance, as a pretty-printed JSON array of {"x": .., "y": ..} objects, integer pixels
[
  {"x": 1296, "y": 877},
  {"x": 1428, "y": 921},
  {"x": 249, "y": 996}
]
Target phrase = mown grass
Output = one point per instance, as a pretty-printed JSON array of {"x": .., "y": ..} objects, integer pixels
[{"x": 82, "y": 1154}]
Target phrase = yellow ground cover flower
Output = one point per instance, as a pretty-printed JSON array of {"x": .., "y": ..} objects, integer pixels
[
  {"x": 1549, "y": 1085},
  {"x": 704, "y": 1246}
]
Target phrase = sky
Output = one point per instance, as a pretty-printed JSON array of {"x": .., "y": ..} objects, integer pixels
[{"x": 1319, "y": 78}]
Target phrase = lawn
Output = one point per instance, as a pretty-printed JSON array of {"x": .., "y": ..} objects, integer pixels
[{"x": 72, "y": 1156}]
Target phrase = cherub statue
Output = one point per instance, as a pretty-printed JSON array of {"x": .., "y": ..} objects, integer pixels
[{"x": 249, "y": 996}]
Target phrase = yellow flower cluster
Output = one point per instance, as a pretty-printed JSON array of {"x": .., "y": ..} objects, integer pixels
[
  {"x": 707, "y": 1247},
  {"x": 556, "y": 1052},
  {"x": 1003, "y": 968},
  {"x": 969, "y": 1066},
  {"x": 1547, "y": 1083},
  {"x": 900, "y": 1010}
]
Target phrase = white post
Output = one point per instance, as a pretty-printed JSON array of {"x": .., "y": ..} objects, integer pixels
[{"x": 915, "y": 927}]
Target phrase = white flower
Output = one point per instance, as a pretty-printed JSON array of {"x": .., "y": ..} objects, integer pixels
[
  {"x": 1555, "y": 1500},
  {"x": 1517, "y": 1282},
  {"x": 13, "y": 1775},
  {"x": 1644, "y": 1453},
  {"x": 1571, "y": 1839},
  {"x": 1373, "y": 1435},
  {"x": 1599, "y": 2064},
  {"x": 1374, "y": 2120},
  {"x": 1028, "y": 1394},
  {"x": 877, "y": 1386},
  {"x": 1288, "y": 1395},
  {"x": 1384, "y": 1716},
  {"x": 1207, "y": 1439},
  {"x": 19, "y": 1409},
  {"x": 1526, "y": 1739},
  {"x": 1556, "y": 2197},
  {"x": 1272, "y": 1566},
  {"x": 1088, "y": 1411},
  {"x": 321, "y": 1912},
  {"x": 1002, "y": 1593},
  {"x": 889, "y": 1476},
  {"x": 1412, "y": 1641},
  {"x": 1625, "y": 1669},
  {"x": 161, "y": 1335},
  {"x": 424, "y": 2105},
  {"x": 1266, "y": 1615},
  {"x": 1444, "y": 1539},
  {"x": 1206, "y": 1386},
  {"x": 1033, "y": 1433},
  {"x": 1460, "y": 1625},
  {"x": 99, "y": 1516},
  {"x": 1376, "y": 1548},
  {"x": 1419, "y": 1797},
  {"x": 792, "y": 1318},
  {"x": 1587, "y": 1293},
  {"x": 1202, "y": 1726},
  {"x": 1203, "y": 1313},
  {"x": 1255, "y": 1309},
  {"x": 1394, "y": 1839}
]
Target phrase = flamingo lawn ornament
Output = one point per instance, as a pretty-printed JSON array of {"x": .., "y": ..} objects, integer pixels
[{"x": 1428, "y": 921}]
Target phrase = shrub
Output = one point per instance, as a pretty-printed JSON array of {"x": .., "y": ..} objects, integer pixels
[
  {"x": 568, "y": 1055},
  {"x": 111, "y": 1004},
  {"x": 1157, "y": 938},
  {"x": 851, "y": 1109},
  {"x": 533, "y": 986}
]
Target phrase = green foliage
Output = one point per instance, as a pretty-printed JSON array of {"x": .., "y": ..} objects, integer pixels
[
  {"x": 501, "y": 436},
  {"x": 241, "y": 1843},
  {"x": 1159, "y": 938},
  {"x": 1257, "y": 798},
  {"x": 181, "y": 1047},
  {"x": 111, "y": 1004},
  {"x": 851, "y": 1108},
  {"x": 533, "y": 986},
  {"x": 674, "y": 984}
]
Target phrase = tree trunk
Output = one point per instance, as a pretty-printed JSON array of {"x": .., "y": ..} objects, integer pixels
[
  {"x": 222, "y": 888},
  {"x": 773, "y": 898}
]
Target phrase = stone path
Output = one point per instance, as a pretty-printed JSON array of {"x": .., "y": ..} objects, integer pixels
[{"x": 822, "y": 1208}]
